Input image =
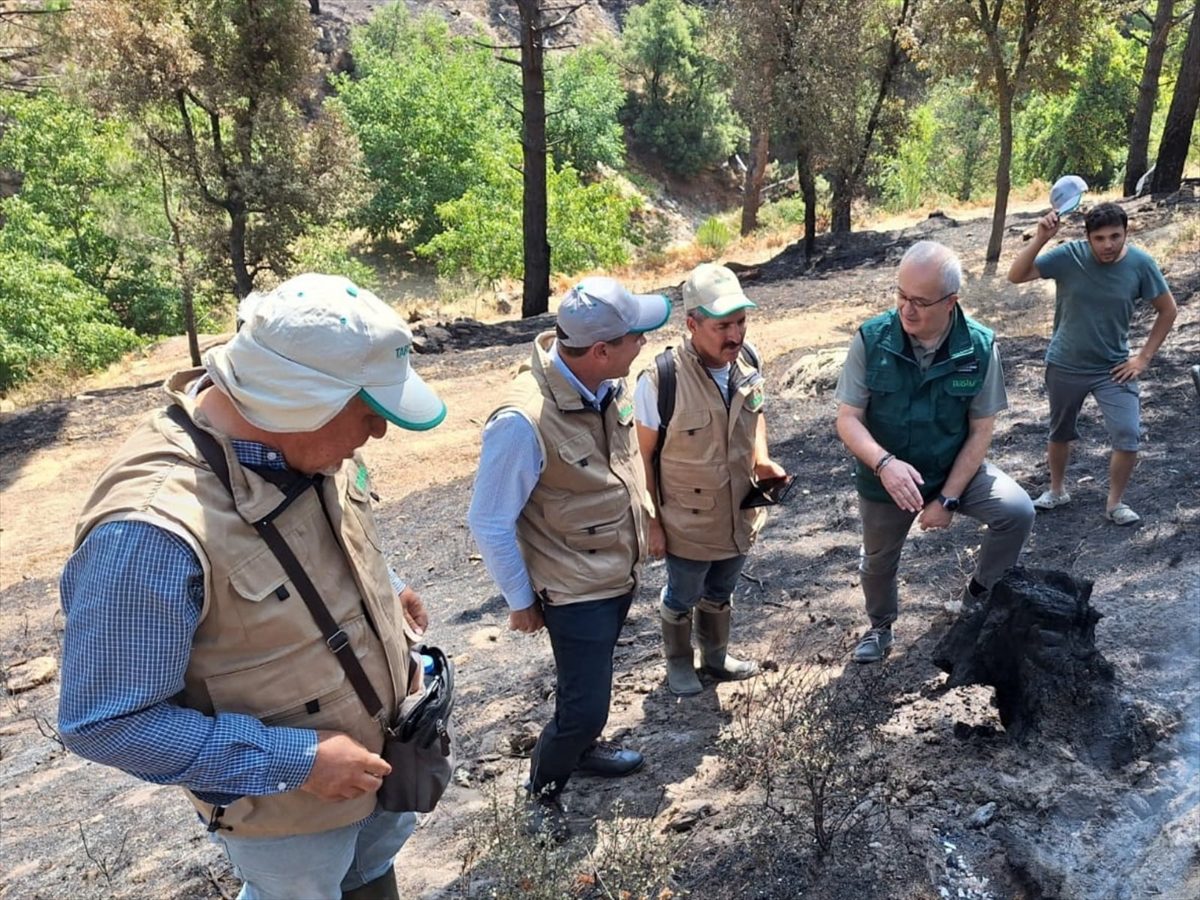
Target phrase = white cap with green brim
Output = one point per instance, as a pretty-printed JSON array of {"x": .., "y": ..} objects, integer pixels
[
  {"x": 601, "y": 309},
  {"x": 714, "y": 291},
  {"x": 307, "y": 348},
  {"x": 1066, "y": 193}
]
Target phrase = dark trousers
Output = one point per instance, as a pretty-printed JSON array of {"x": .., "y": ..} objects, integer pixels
[{"x": 583, "y": 636}]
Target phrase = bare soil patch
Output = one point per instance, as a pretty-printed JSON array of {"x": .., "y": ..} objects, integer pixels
[{"x": 1060, "y": 827}]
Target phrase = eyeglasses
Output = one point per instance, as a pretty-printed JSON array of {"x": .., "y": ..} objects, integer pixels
[{"x": 921, "y": 301}]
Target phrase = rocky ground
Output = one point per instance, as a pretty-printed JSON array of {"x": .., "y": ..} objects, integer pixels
[{"x": 944, "y": 802}]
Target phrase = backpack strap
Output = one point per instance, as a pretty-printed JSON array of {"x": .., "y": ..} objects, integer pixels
[
  {"x": 665, "y": 364},
  {"x": 750, "y": 355}
]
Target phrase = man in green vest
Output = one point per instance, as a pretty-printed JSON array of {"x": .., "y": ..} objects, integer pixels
[{"x": 917, "y": 402}]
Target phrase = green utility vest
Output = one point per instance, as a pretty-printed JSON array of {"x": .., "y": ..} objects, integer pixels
[{"x": 921, "y": 416}]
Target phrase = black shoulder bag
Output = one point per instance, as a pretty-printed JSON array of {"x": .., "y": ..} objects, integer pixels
[{"x": 418, "y": 744}]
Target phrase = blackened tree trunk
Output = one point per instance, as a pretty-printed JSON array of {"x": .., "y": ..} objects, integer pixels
[
  {"x": 1177, "y": 133},
  {"x": 314, "y": 7},
  {"x": 535, "y": 297},
  {"x": 842, "y": 194},
  {"x": 752, "y": 194},
  {"x": 1139, "y": 131},
  {"x": 808, "y": 190},
  {"x": 243, "y": 281}
]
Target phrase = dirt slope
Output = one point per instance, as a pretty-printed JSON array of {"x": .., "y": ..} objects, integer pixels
[{"x": 1062, "y": 828}]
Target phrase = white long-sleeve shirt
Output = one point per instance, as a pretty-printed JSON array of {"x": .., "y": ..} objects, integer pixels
[{"x": 510, "y": 464}]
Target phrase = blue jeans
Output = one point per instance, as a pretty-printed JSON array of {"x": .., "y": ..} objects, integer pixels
[
  {"x": 317, "y": 866},
  {"x": 689, "y": 580},
  {"x": 583, "y": 636}
]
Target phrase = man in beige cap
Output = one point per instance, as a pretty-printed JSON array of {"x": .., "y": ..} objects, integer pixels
[
  {"x": 559, "y": 516},
  {"x": 189, "y": 656},
  {"x": 700, "y": 466}
]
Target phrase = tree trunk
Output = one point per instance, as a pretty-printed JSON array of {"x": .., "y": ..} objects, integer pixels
[
  {"x": 1177, "y": 133},
  {"x": 1003, "y": 175},
  {"x": 808, "y": 190},
  {"x": 752, "y": 194},
  {"x": 1034, "y": 640},
  {"x": 843, "y": 194},
  {"x": 1139, "y": 132},
  {"x": 186, "y": 291},
  {"x": 535, "y": 297},
  {"x": 314, "y": 7},
  {"x": 243, "y": 282}
]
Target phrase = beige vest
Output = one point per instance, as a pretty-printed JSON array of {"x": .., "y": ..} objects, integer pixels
[
  {"x": 707, "y": 461},
  {"x": 582, "y": 532},
  {"x": 257, "y": 651}
]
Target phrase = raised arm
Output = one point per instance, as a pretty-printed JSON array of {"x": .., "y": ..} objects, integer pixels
[{"x": 1023, "y": 267}]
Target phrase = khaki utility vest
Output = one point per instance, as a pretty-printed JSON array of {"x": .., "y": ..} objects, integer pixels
[
  {"x": 706, "y": 464},
  {"x": 582, "y": 532},
  {"x": 257, "y": 650}
]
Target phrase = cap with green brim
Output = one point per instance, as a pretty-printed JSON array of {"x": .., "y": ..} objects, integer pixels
[
  {"x": 714, "y": 291},
  {"x": 310, "y": 346}
]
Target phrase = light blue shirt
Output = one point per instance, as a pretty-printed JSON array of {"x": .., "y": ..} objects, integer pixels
[
  {"x": 1093, "y": 303},
  {"x": 510, "y": 464}
]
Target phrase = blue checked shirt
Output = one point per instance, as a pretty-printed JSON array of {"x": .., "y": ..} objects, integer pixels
[{"x": 132, "y": 594}]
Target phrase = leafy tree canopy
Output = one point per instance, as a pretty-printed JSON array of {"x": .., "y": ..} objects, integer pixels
[{"x": 681, "y": 107}]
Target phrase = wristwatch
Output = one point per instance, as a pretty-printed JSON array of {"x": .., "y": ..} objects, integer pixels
[{"x": 950, "y": 504}]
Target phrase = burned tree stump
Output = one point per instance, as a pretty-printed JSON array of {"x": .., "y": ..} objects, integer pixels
[{"x": 1034, "y": 641}]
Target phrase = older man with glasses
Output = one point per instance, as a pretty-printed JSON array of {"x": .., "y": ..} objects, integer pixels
[{"x": 917, "y": 402}]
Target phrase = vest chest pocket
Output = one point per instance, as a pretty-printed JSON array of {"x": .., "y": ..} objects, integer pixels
[
  {"x": 688, "y": 437},
  {"x": 883, "y": 377},
  {"x": 577, "y": 450}
]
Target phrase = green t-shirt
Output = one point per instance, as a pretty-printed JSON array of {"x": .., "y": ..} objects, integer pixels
[{"x": 1094, "y": 303}]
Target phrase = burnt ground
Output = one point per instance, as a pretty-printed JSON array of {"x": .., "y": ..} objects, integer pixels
[{"x": 932, "y": 757}]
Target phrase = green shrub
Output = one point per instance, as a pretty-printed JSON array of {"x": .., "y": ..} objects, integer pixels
[
  {"x": 421, "y": 103},
  {"x": 48, "y": 315},
  {"x": 713, "y": 234},
  {"x": 586, "y": 224},
  {"x": 328, "y": 250}
]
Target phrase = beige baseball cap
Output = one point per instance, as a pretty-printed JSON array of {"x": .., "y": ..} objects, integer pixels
[
  {"x": 307, "y": 348},
  {"x": 714, "y": 291}
]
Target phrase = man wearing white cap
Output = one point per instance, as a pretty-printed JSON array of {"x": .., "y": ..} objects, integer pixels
[
  {"x": 1098, "y": 283},
  {"x": 560, "y": 519},
  {"x": 700, "y": 466},
  {"x": 189, "y": 657}
]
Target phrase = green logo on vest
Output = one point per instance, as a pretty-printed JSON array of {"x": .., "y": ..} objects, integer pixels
[
  {"x": 756, "y": 399},
  {"x": 360, "y": 480},
  {"x": 963, "y": 383},
  {"x": 625, "y": 410},
  {"x": 402, "y": 352}
]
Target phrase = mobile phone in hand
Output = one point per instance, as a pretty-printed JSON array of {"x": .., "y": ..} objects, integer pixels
[{"x": 769, "y": 492}]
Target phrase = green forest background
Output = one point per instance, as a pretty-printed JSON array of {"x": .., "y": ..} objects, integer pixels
[{"x": 159, "y": 159}]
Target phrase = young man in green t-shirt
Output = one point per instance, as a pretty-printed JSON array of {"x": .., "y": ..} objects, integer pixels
[{"x": 1098, "y": 283}]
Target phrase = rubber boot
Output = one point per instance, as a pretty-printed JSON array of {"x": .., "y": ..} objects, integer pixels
[
  {"x": 712, "y": 632},
  {"x": 382, "y": 888},
  {"x": 677, "y": 648}
]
